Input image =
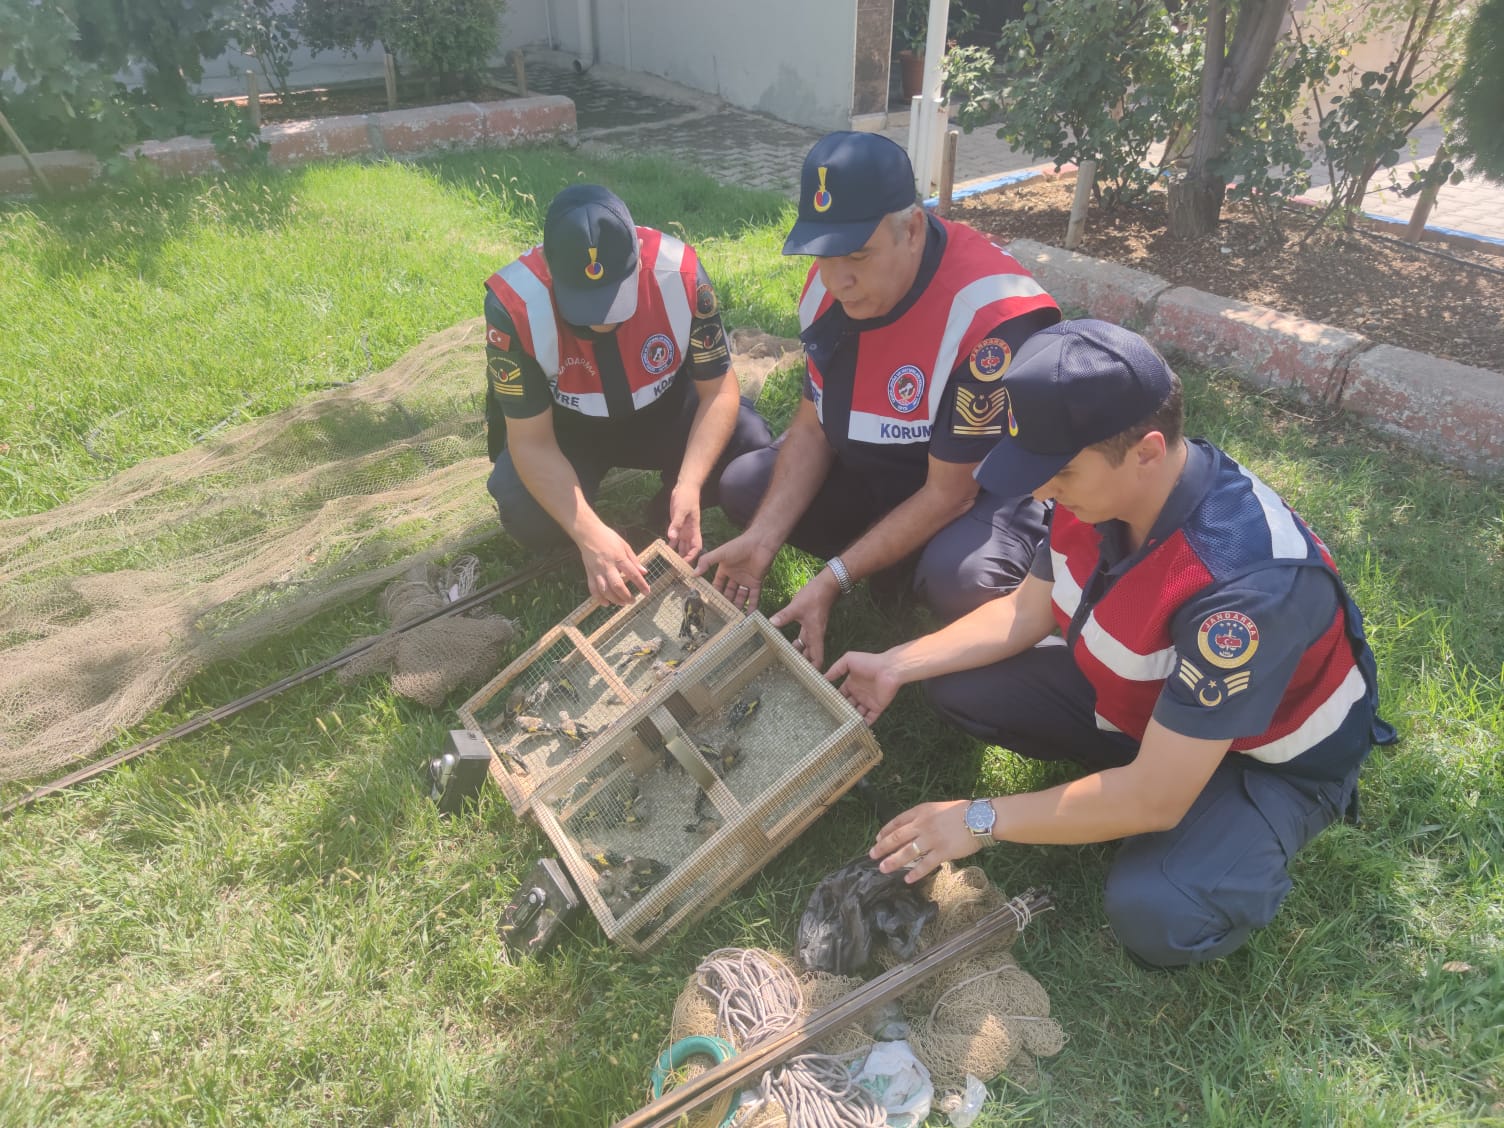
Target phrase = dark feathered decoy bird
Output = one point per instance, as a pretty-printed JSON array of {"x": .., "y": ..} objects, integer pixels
[
  {"x": 742, "y": 711},
  {"x": 693, "y": 623},
  {"x": 856, "y": 907}
]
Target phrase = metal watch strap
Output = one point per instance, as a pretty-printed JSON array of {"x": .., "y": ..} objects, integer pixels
[{"x": 837, "y": 568}]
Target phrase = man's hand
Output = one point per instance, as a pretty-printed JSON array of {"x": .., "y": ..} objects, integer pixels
[
  {"x": 871, "y": 682},
  {"x": 810, "y": 608},
  {"x": 684, "y": 522},
  {"x": 924, "y": 836},
  {"x": 740, "y": 565},
  {"x": 610, "y": 566}
]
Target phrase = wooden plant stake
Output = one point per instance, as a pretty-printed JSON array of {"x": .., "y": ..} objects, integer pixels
[
  {"x": 519, "y": 66},
  {"x": 390, "y": 66},
  {"x": 253, "y": 98},
  {"x": 1086, "y": 176},
  {"x": 948, "y": 172},
  {"x": 36, "y": 171},
  {"x": 1427, "y": 201}
]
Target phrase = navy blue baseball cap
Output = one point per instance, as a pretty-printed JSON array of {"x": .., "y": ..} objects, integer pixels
[
  {"x": 850, "y": 181},
  {"x": 1071, "y": 385},
  {"x": 590, "y": 243}
]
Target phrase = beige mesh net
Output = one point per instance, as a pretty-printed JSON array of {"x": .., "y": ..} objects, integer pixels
[{"x": 108, "y": 604}]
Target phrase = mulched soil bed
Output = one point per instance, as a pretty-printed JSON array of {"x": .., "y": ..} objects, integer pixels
[
  {"x": 1391, "y": 294},
  {"x": 365, "y": 98}
]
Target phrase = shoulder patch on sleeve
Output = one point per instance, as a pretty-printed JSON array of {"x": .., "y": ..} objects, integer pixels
[
  {"x": 1211, "y": 691},
  {"x": 498, "y": 339},
  {"x": 990, "y": 359},
  {"x": 1227, "y": 639},
  {"x": 706, "y": 302},
  {"x": 505, "y": 375}
]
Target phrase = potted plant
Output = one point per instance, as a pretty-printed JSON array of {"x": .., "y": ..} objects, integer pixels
[{"x": 911, "y": 22}]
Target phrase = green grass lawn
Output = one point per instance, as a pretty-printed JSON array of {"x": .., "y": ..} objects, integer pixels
[{"x": 268, "y": 924}]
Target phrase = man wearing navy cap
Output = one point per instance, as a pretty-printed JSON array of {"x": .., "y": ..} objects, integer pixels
[
  {"x": 593, "y": 341},
  {"x": 909, "y": 323},
  {"x": 1214, "y": 678}
]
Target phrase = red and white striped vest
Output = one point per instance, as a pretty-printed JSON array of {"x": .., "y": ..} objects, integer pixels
[
  {"x": 1124, "y": 645},
  {"x": 654, "y": 341},
  {"x": 902, "y": 368}
]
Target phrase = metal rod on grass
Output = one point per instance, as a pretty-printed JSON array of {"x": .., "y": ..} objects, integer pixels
[{"x": 36, "y": 171}]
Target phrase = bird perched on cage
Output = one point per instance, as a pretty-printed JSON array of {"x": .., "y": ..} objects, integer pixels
[
  {"x": 693, "y": 623},
  {"x": 722, "y": 759},
  {"x": 642, "y": 650},
  {"x": 666, "y": 668},
  {"x": 636, "y": 811},
  {"x": 707, "y": 818},
  {"x": 572, "y": 730},
  {"x": 742, "y": 711},
  {"x": 532, "y": 726}
]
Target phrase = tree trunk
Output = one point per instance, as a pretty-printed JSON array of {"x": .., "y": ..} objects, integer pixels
[
  {"x": 1195, "y": 206},
  {"x": 1230, "y": 78}
]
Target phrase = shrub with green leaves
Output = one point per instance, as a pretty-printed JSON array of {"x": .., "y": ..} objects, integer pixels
[
  {"x": 1096, "y": 80},
  {"x": 449, "y": 41}
]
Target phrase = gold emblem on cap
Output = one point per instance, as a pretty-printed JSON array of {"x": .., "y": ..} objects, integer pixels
[
  {"x": 595, "y": 269},
  {"x": 823, "y": 198}
]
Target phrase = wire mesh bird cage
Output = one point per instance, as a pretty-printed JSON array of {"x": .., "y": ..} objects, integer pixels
[
  {"x": 552, "y": 703},
  {"x": 701, "y": 781}
]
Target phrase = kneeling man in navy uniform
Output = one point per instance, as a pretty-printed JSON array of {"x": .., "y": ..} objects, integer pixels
[{"x": 1215, "y": 679}]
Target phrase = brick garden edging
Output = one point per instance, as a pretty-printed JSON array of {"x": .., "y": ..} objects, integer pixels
[
  {"x": 397, "y": 133},
  {"x": 1453, "y": 412}
]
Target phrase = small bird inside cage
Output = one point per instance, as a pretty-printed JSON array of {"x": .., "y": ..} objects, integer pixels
[
  {"x": 563, "y": 684},
  {"x": 530, "y": 700},
  {"x": 637, "y": 653},
  {"x": 532, "y": 726},
  {"x": 692, "y": 626},
  {"x": 636, "y": 811},
  {"x": 707, "y": 818},
  {"x": 723, "y": 758},
  {"x": 742, "y": 711},
  {"x": 666, "y": 668},
  {"x": 572, "y": 730}
]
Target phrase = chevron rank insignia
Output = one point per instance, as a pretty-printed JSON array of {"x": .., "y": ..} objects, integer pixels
[
  {"x": 1211, "y": 691},
  {"x": 977, "y": 412},
  {"x": 506, "y": 376}
]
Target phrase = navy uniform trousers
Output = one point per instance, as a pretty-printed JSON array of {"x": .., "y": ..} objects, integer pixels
[
  {"x": 1173, "y": 897},
  {"x": 593, "y": 451},
  {"x": 984, "y": 553}
]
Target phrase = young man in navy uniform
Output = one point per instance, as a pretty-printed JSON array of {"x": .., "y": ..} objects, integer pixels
[
  {"x": 1214, "y": 678},
  {"x": 909, "y": 323},
  {"x": 605, "y": 348}
]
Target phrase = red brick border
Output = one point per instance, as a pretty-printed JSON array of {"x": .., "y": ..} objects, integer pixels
[{"x": 406, "y": 133}]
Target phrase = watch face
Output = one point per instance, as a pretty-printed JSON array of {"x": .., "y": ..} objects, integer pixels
[{"x": 980, "y": 816}]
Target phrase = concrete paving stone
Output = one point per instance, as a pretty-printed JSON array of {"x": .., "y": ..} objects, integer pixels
[
  {"x": 179, "y": 156},
  {"x": 458, "y": 125},
  {"x": 1099, "y": 289},
  {"x": 1268, "y": 348},
  {"x": 295, "y": 142},
  {"x": 534, "y": 118},
  {"x": 1453, "y": 411},
  {"x": 63, "y": 168}
]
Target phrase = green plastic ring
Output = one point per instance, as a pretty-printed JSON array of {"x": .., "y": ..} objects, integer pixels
[{"x": 681, "y": 1051}]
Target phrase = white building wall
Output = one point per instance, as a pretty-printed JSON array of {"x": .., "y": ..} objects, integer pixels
[{"x": 788, "y": 58}]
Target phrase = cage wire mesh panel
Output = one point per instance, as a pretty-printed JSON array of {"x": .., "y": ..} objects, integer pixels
[
  {"x": 574, "y": 683},
  {"x": 704, "y": 779},
  {"x": 111, "y": 602}
]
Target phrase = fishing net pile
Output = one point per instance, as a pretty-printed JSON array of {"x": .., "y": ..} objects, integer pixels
[
  {"x": 982, "y": 1016},
  {"x": 111, "y": 602}
]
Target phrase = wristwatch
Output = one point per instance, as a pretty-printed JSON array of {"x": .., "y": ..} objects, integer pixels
[{"x": 980, "y": 817}]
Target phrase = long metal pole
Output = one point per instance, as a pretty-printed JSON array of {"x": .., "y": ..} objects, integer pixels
[{"x": 223, "y": 712}]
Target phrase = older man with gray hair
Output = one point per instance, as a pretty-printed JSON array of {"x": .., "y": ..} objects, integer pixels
[{"x": 909, "y": 323}]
